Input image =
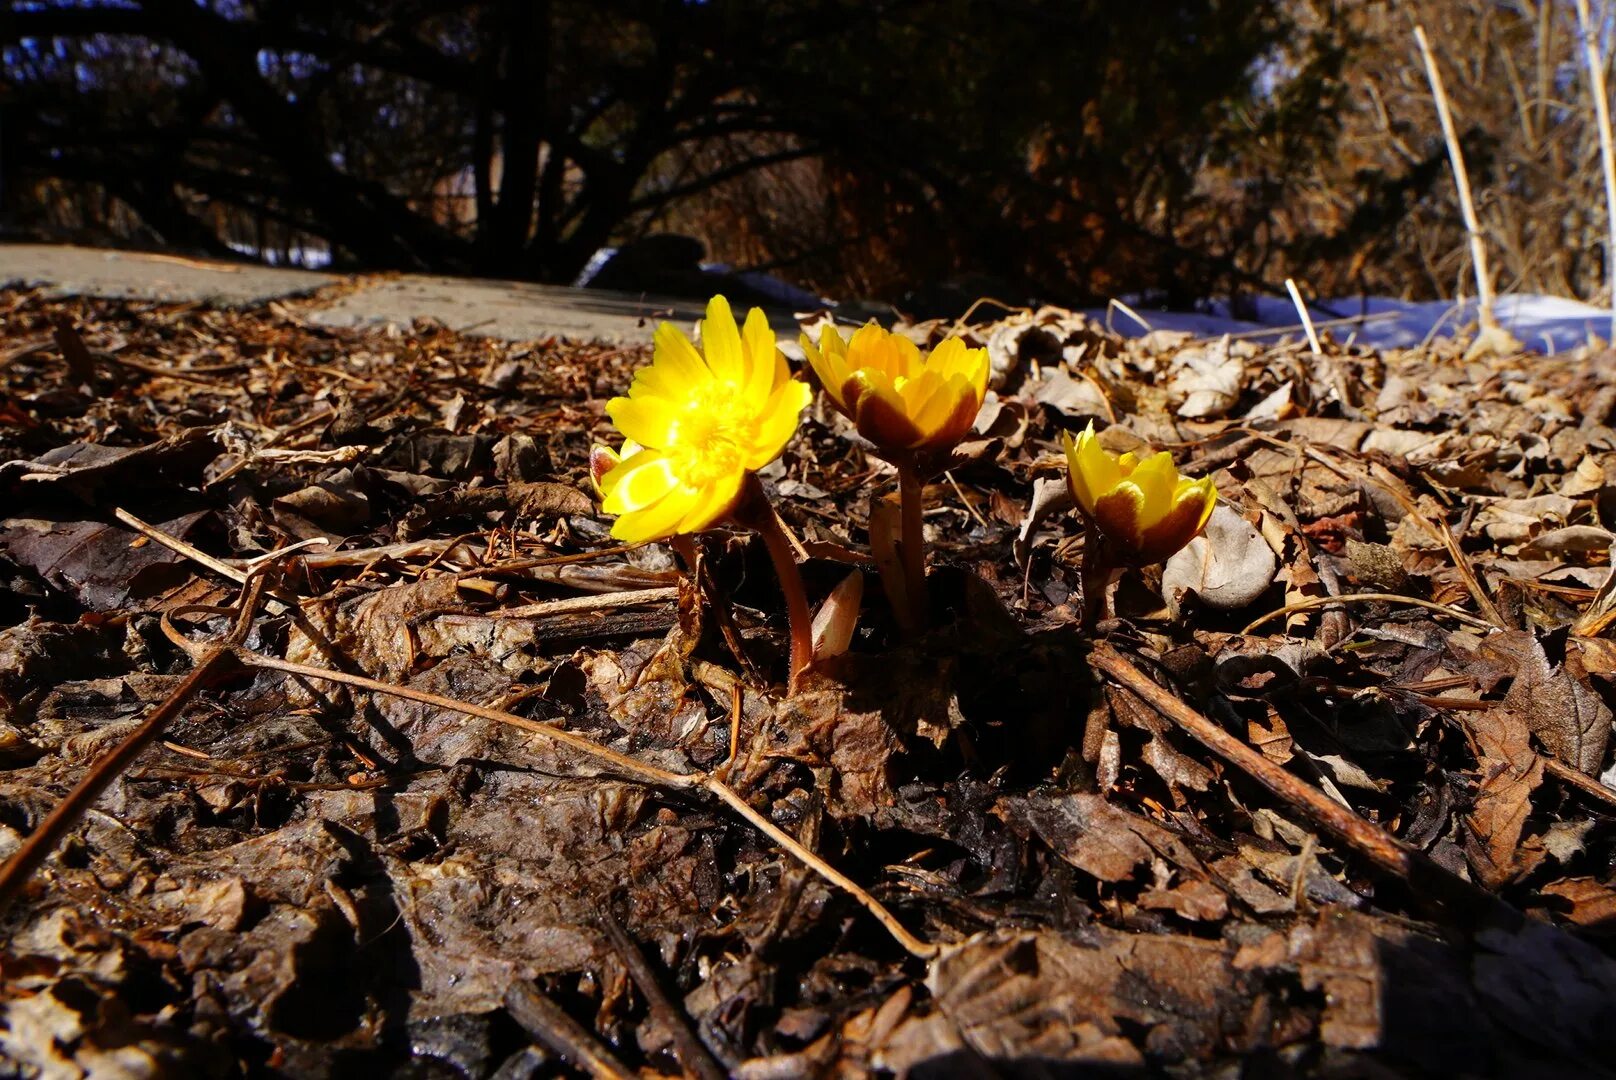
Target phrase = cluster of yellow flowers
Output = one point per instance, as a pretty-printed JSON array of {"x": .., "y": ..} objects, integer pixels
[{"x": 698, "y": 424}]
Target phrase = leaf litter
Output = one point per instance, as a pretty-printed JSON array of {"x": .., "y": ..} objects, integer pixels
[{"x": 1332, "y": 796}]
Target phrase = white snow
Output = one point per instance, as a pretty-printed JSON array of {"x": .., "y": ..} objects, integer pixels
[{"x": 1547, "y": 324}]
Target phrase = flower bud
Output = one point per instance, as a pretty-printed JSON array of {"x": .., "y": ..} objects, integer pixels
[{"x": 1144, "y": 508}]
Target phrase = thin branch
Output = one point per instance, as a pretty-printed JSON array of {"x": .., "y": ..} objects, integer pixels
[
  {"x": 213, "y": 663},
  {"x": 1370, "y": 597},
  {"x": 551, "y": 1025},
  {"x": 692, "y": 1053},
  {"x": 1426, "y": 878},
  {"x": 624, "y": 765}
]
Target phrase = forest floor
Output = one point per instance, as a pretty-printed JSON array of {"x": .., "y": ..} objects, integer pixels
[{"x": 434, "y": 779}]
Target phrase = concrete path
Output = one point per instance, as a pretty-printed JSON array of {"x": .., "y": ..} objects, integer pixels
[
  {"x": 505, "y": 309},
  {"x": 513, "y": 310},
  {"x": 77, "y": 271}
]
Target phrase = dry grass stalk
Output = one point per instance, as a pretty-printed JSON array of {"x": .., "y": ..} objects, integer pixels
[
  {"x": 1307, "y": 320},
  {"x": 1607, "y": 157},
  {"x": 1491, "y": 337}
]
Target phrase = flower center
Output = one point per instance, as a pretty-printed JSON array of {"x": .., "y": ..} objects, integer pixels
[{"x": 710, "y": 437}]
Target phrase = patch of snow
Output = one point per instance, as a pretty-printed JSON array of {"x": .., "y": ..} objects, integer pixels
[
  {"x": 299, "y": 255},
  {"x": 781, "y": 292},
  {"x": 1546, "y": 324},
  {"x": 600, "y": 258}
]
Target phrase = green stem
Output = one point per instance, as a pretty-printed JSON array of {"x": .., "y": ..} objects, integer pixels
[
  {"x": 910, "y": 496},
  {"x": 755, "y": 513}
]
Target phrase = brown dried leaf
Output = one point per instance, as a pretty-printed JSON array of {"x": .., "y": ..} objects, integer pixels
[
  {"x": 1586, "y": 902},
  {"x": 1228, "y": 566},
  {"x": 1098, "y": 838},
  {"x": 1566, "y": 715},
  {"x": 1509, "y": 771},
  {"x": 104, "y": 566}
]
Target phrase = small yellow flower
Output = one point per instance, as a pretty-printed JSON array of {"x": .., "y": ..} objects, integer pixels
[
  {"x": 1143, "y": 507},
  {"x": 695, "y": 424},
  {"x": 898, "y": 400}
]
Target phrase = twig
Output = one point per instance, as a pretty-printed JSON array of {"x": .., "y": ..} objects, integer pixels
[
  {"x": 736, "y": 711},
  {"x": 1372, "y": 597},
  {"x": 718, "y": 603},
  {"x": 624, "y": 765},
  {"x": 42, "y": 841},
  {"x": 691, "y": 1051},
  {"x": 547, "y": 1022},
  {"x": 278, "y": 601},
  {"x": 1583, "y": 783},
  {"x": 1325, "y": 324},
  {"x": 179, "y": 260},
  {"x": 598, "y": 602},
  {"x": 1379, "y": 847},
  {"x": 1468, "y": 573},
  {"x": 1607, "y": 155},
  {"x": 1307, "y": 319},
  {"x": 969, "y": 509}
]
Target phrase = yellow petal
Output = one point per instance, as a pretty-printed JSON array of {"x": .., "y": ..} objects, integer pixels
[
  {"x": 907, "y": 359},
  {"x": 678, "y": 358},
  {"x": 638, "y": 482},
  {"x": 1157, "y": 481},
  {"x": 879, "y": 411},
  {"x": 1192, "y": 505},
  {"x": 1117, "y": 513},
  {"x": 929, "y": 402},
  {"x": 658, "y": 521},
  {"x": 649, "y": 421},
  {"x": 965, "y": 405},
  {"x": 978, "y": 367},
  {"x": 1203, "y": 489},
  {"x": 1091, "y": 472},
  {"x": 721, "y": 342},
  {"x": 869, "y": 350},
  {"x": 948, "y": 357},
  {"x": 829, "y": 361},
  {"x": 712, "y": 503},
  {"x": 778, "y": 422},
  {"x": 766, "y": 364}
]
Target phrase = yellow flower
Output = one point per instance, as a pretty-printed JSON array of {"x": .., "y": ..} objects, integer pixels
[
  {"x": 1143, "y": 507},
  {"x": 897, "y": 399},
  {"x": 695, "y": 424}
]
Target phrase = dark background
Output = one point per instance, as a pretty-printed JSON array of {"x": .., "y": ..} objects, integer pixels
[{"x": 1067, "y": 151}]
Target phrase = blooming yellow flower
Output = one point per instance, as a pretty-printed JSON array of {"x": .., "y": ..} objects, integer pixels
[
  {"x": 696, "y": 423},
  {"x": 897, "y": 399},
  {"x": 1143, "y": 507}
]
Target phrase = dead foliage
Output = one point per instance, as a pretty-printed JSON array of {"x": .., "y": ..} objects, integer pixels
[{"x": 1395, "y": 857}]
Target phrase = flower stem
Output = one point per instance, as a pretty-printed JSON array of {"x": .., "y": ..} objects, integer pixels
[
  {"x": 1099, "y": 564},
  {"x": 910, "y": 497},
  {"x": 755, "y": 513}
]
